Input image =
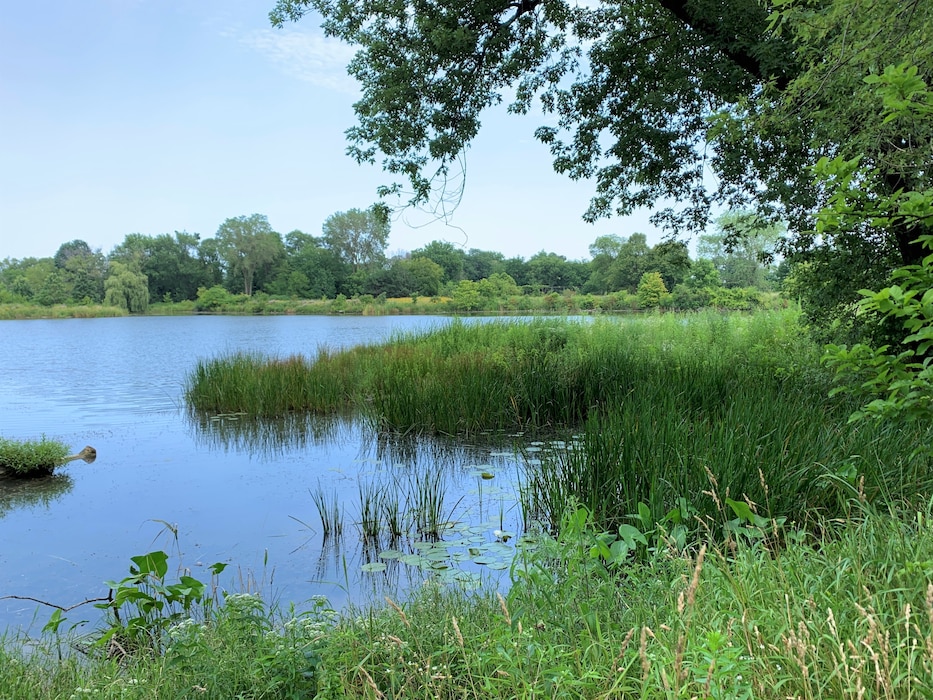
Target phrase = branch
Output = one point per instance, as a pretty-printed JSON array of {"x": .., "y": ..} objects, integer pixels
[
  {"x": 108, "y": 599},
  {"x": 721, "y": 40}
]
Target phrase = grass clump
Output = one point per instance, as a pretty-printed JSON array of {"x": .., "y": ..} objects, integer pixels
[{"x": 32, "y": 457}]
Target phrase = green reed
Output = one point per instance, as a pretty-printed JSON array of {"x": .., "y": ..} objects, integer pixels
[
  {"x": 372, "y": 509},
  {"x": 426, "y": 501},
  {"x": 670, "y": 406},
  {"x": 330, "y": 512}
]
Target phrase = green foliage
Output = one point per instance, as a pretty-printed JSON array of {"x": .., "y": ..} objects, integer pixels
[
  {"x": 466, "y": 296},
  {"x": 32, "y": 457},
  {"x": 451, "y": 258},
  {"x": 127, "y": 288},
  {"x": 895, "y": 382},
  {"x": 213, "y": 299},
  {"x": 895, "y": 379},
  {"x": 651, "y": 290},
  {"x": 740, "y": 247},
  {"x": 248, "y": 245},
  {"x": 143, "y": 606},
  {"x": 358, "y": 237}
]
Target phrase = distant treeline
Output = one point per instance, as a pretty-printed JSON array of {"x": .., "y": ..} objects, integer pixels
[{"x": 247, "y": 265}]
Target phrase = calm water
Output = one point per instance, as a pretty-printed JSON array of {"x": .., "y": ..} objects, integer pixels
[{"x": 237, "y": 493}]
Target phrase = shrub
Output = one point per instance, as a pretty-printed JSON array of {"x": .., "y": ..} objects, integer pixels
[{"x": 32, "y": 457}]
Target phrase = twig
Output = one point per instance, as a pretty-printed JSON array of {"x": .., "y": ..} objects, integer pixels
[{"x": 53, "y": 605}]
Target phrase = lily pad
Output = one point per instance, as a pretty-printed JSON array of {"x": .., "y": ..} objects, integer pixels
[{"x": 374, "y": 567}]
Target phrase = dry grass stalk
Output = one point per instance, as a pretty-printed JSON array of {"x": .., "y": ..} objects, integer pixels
[
  {"x": 457, "y": 632},
  {"x": 505, "y": 609},
  {"x": 370, "y": 682},
  {"x": 643, "y": 652},
  {"x": 401, "y": 613}
]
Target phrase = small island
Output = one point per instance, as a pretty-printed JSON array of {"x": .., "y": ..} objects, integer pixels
[{"x": 35, "y": 458}]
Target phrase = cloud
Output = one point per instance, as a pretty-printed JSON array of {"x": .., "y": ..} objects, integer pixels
[{"x": 313, "y": 58}]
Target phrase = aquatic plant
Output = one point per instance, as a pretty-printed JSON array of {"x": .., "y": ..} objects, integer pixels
[
  {"x": 32, "y": 457},
  {"x": 330, "y": 512}
]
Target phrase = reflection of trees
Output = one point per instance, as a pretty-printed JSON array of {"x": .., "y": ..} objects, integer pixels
[
  {"x": 20, "y": 493},
  {"x": 269, "y": 437}
]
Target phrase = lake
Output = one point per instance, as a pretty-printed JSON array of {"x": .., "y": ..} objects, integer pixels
[{"x": 215, "y": 489}]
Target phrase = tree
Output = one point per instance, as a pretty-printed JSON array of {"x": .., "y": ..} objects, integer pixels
[
  {"x": 644, "y": 97},
  {"x": 480, "y": 264},
  {"x": 85, "y": 276},
  {"x": 450, "y": 257},
  {"x": 358, "y": 237},
  {"x": 633, "y": 261},
  {"x": 703, "y": 275},
  {"x": 174, "y": 267},
  {"x": 651, "y": 290},
  {"x": 466, "y": 295},
  {"x": 740, "y": 247},
  {"x": 66, "y": 251},
  {"x": 553, "y": 271},
  {"x": 894, "y": 379},
  {"x": 247, "y": 243},
  {"x": 605, "y": 251},
  {"x": 310, "y": 270},
  {"x": 126, "y": 288}
]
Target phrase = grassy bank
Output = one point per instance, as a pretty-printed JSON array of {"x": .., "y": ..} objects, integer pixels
[
  {"x": 10, "y": 312},
  {"x": 847, "y": 613}
]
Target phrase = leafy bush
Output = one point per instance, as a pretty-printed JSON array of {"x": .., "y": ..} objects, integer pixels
[
  {"x": 213, "y": 298},
  {"x": 31, "y": 457}
]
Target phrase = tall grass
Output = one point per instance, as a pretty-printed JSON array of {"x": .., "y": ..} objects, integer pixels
[
  {"x": 846, "y": 612},
  {"x": 9, "y": 312},
  {"x": 666, "y": 405}
]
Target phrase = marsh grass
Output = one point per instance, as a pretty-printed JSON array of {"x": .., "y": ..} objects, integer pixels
[
  {"x": 373, "y": 506},
  {"x": 426, "y": 490},
  {"x": 660, "y": 402},
  {"x": 28, "y": 311},
  {"x": 32, "y": 457},
  {"x": 329, "y": 511}
]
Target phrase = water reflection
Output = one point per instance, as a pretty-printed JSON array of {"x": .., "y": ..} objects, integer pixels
[
  {"x": 409, "y": 508},
  {"x": 18, "y": 493},
  {"x": 268, "y": 438}
]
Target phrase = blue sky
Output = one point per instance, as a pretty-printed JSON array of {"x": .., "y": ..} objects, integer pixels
[{"x": 151, "y": 116}]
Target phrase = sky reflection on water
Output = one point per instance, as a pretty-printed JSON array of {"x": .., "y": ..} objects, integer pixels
[{"x": 238, "y": 491}]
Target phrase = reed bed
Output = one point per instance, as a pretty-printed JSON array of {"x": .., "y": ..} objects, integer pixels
[
  {"x": 9, "y": 312},
  {"x": 702, "y": 407}
]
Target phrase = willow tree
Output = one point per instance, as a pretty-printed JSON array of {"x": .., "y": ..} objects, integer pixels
[
  {"x": 126, "y": 287},
  {"x": 645, "y": 97}
]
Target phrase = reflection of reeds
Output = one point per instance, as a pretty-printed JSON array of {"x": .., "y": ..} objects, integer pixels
[
  {"x": 328, "y": 508},
  {"x": 19, "y": 493},
  {"x": 393, "y": 513},
  {"x": 269, "y": 437}
]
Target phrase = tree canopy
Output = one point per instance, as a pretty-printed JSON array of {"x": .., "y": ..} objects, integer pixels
[
  {"x": 247, "y": 243},
  {"x": 646, "y": 97}
]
